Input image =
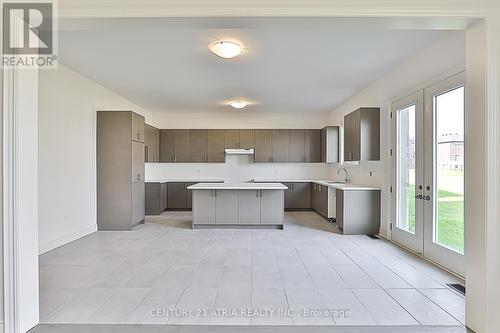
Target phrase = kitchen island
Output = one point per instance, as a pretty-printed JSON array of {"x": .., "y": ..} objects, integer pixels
[{"x": 238, "y": 205}]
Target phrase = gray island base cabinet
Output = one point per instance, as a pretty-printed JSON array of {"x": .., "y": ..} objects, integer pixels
[{"x": 246, "y": 205}]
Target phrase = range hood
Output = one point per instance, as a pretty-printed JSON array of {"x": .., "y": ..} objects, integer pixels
[{"x": 236, "y": 151}]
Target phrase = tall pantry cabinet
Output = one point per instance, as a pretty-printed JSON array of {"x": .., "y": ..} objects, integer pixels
[{"x": 120, "y": 170}]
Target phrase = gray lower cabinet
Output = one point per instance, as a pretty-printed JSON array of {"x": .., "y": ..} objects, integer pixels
[
  {"x": 301, "y": 195},
  {"x": 249, "y": 206},
  {"x": 138, "y": 201},
  {"x": 226, "y": 206},
  {"x": 271, "y": 207},
  {"x": 156, "y": 198},
  {"x": 288, "y": 200},
  {"x": 319, "y": 200},
  {"x": 355, "y": 221},
  {"x": 177, "y": 197},
  {"x": 120, "y": 170},
  {"x": 205, "y": 203}
]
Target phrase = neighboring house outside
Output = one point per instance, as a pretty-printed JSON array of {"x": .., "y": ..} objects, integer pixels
[{"x": 450, "y": 152}]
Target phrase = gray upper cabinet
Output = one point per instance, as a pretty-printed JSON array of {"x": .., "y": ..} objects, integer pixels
[
  {"x": 312, "y": 142},
  {"x": 167, "y": 145},
  {"x": 239, "y": 138},
  {"x": 263, "y": 146},
  {"x": 215, "y": 146},
  {"x": 297, "y": 146},
  {"x": 232, "y": 138},
  {"x": 247, "y": 139},
  {"x": 181, "y": 139},
  {"x": 120, "y": 170},
  {"x": 330, "y": 144},
  {"x": 152, "y": 144},
  {"x": 362, "y": 135},
  {"x": 281, "y": 146},
  {"x": 138, "y": 127},
  {"x": 197, "y": 145}
]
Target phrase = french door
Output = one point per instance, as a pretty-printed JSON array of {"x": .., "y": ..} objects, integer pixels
[{"x": 429, "y": 172}]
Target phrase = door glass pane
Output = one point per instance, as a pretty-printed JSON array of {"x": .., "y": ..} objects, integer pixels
[
  {"x": 449, "y": 169},
  {"x": 406, "y": 169}
]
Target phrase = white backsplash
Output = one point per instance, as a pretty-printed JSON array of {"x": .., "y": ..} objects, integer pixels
[{"x": 238, "y": 168}]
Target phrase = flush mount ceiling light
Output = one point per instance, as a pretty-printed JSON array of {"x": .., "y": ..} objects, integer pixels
[
  {"x": 226, "y": 49},
  {"x": 238, "y": 104}
]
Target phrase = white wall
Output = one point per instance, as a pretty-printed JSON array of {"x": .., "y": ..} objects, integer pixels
[
  {"x": 236, "y": 169},
  {"x": 437, "y": 59},
  {"x": 1, "y": 204},
  {"x": 68, "y": 103}
]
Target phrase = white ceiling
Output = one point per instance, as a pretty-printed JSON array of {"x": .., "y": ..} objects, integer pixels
[{"x": 289, "y": 65}]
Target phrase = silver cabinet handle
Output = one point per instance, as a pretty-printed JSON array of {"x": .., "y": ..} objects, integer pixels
[{"x": 257, "y": 194}]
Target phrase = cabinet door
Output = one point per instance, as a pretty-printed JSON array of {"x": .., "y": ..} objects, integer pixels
[
  {"x": 247, "y": 140},
  {"x": 153, "y": 198},
  {"x": 271, "y": 207},
  {"x": 167, "y": 145},
  {"x": 232, "y": 138},
  {"x": 189, "y": 195},
  {"x": 164, "y": 196},
  {"x": 323, "y": 146},
  {"x": 226, "y": 211},
  {"x": 315, "y": 197},
  {"x": 324, "y": 200},
  {"x": 137, "y": 162},
  {"x": 301, "y": 195},
  {"x": 177, "y": 196},
  {"x": 288, "y": 196},
  {"x": 152, "y": 144},
  {"x": 297, "y": 146},
  {"x": 181, "y": 146},
  {"x": 312, "y": 144},
  {"x": 204, "y": 203},
  {"x": 215, "y": 146},
  {"x": 137, "y": 127},
  {"x": 339, "y": 208},
  {"x": 352, "y": 136},
  {"x": 197, "y": 145},
  {"x": 281, "y": 146},
  {"x": 249, "y": 207},
  {"x": 138, "y": 204},
  {"x": 263, "y": 146}
]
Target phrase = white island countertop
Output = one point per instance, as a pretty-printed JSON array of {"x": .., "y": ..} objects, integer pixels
[{"x": 237, "y": 186}]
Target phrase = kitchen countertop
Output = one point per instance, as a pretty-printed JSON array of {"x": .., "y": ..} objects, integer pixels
[
  {"x": 338, "y": 186},
  {"x": 238, "y": 186},
  {"x": 204, "y": 180}
]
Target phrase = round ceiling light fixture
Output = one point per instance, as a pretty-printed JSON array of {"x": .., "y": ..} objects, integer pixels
[
  {"x": 226, "y": 49},
  {"x": 238, "y": 104}
]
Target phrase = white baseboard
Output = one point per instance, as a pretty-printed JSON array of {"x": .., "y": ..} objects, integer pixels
[{"x": 45, "y": 247}]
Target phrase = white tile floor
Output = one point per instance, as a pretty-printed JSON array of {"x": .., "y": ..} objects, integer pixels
[{"x": 185, "y": 276}]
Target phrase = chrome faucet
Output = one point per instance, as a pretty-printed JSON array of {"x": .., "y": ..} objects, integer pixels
[{"x": 346, "y": 180}]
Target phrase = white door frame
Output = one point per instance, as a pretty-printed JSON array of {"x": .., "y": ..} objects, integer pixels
[
  {"x": 412, "y": 241},
  {"x": 482, "y": 306}
]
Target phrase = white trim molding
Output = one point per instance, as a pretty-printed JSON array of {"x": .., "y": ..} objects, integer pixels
[{"x": 68, "y": 238}]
